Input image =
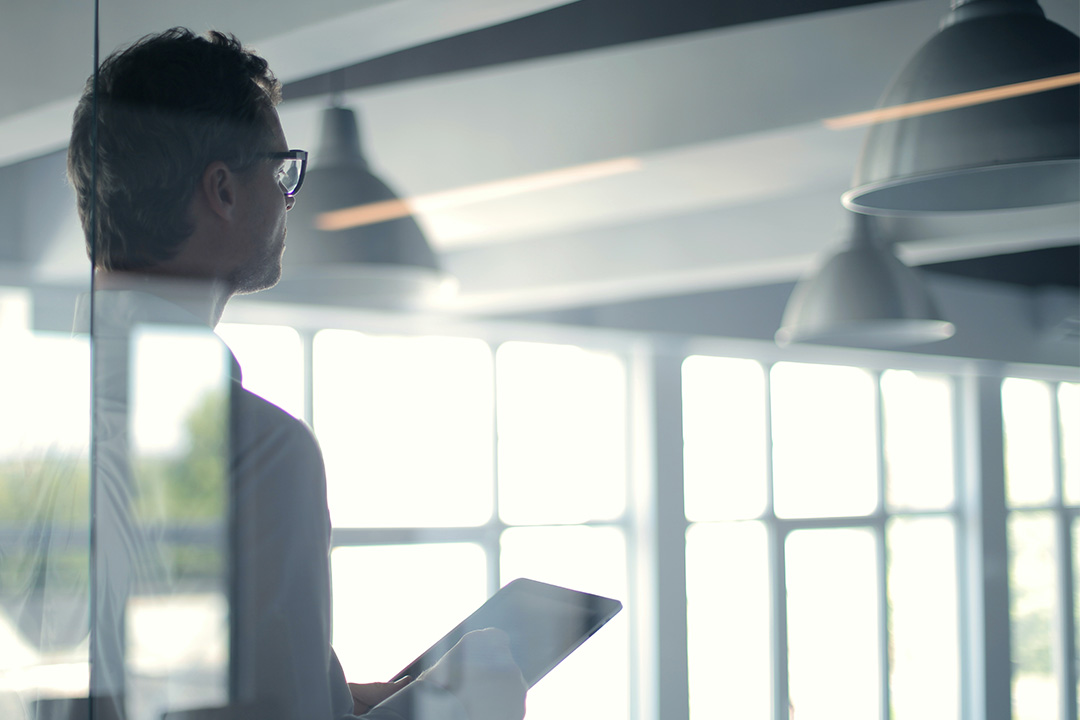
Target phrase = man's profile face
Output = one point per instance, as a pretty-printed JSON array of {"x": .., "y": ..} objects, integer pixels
[{"x": 262, "y": 210}]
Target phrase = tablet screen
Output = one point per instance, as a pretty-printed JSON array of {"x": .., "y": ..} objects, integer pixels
[{"x": 545, "y": 624}]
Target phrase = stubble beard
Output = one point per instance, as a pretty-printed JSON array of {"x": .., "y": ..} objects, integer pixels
[{"x": 262, "y": 273}]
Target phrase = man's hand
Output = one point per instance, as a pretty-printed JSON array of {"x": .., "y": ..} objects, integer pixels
[
  {"x": 481, "y": 672},
  {"x": 368, "y": 695}
]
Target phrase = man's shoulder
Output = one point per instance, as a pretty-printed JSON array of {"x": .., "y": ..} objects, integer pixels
[
  {"x": 273, "y": 450},
  {"x": 256, "y": 413}
]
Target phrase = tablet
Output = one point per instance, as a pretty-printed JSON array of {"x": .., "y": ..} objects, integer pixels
[{"x": 545, "y": 624}]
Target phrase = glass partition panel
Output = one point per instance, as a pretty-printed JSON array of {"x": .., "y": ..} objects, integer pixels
[
  {"x": 163, "y": 544},
  {"x": 44, "y": 521},
  {"x": 45, "y": 489}
]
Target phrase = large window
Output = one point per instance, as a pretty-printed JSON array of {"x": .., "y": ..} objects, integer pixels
[
  {"x": 829, "y": 538},
  {"x": 454, "y": 465},
  {"x": 821, "y": 550}
]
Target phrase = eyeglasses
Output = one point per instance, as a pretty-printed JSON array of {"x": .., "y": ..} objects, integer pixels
[{"x": 290, "y": 174}]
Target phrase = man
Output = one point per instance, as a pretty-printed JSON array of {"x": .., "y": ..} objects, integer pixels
[{"x": 184, "y": 178}]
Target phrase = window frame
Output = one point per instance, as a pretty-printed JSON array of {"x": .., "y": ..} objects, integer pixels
[
  {"x": 779, "y": 528},
  {"x": 655, "y": 523},
  {"x": 980, "y": 511},
  {"x": 488, "y": 535}
]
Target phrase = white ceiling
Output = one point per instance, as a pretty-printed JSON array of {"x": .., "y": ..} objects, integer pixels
[{"x": 737, "y": 180}]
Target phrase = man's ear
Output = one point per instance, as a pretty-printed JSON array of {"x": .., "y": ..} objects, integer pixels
[{"x": 218, "y": 189}]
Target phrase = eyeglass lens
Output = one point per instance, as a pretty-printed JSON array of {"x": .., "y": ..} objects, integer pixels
[{"x": 289, "y": 175}]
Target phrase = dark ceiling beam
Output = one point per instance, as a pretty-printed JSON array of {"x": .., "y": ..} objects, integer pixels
[
  {"x": 1058, "y": 266},
  {"x": 579, "y": 26}
]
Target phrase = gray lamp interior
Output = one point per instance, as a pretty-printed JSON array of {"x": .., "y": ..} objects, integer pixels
[
  {"x": 1018, "y": 152},
  {"x": 391, "y": 260}
]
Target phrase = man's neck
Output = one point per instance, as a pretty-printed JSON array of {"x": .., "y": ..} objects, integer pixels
[{"x": 205, "y": 299}]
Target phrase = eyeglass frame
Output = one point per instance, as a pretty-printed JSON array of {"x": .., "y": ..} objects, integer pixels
[{"x": 302, "y": 156}]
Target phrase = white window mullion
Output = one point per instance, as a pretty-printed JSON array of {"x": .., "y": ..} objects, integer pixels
[
  {"x": 778, "y": 567},
  {"x": 778, "y": 570},
  {"x": 985, "y": 517},
  {"x": 495, "y": 526},
  {"x": 670, "y": 523},
  {"x": 966, "y": 587},
  {"x": 882, "y": 551},
  {"x": 641, "y": 533}
]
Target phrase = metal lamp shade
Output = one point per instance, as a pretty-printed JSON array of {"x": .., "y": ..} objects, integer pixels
[
  {"x": 863, "y": 296},
  {"x": 1018, "y": 152},
  {"x": 385, "y": 263}
]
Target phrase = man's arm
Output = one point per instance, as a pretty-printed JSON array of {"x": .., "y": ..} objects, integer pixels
[{"x": 282, "y": 614}]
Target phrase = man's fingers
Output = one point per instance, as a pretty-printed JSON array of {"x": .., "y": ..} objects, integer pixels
[
  {"x": 368, "y": 695},
  {"x": 490, "y": 645}
]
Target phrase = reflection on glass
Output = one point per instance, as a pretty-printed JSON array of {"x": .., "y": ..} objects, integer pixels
[
  {"x": 824, "y": 445},
  {"x": 1069, "y": 413},
  {"x": 164, "y": 555},
  {"x": 15, "y": 310},
  {"x": 833, "y": 653},
  {"x": 45, "y": 394},
  {"x": 392, "y": 602},
  {"x": 562, "y": 434},
  {"x": 272, "y": 359},
  {"x": 727, "y": 619},
  {"x": 44, "y": 518},
  {"x": 1032, "y": 593},
  {"x": 1029, "y": 449},
  {"x": 924, "y": 679},
  {"x": 175, "y": 376},
  {"x": 724, "y": 450},
  {"x": 595, "y": 680},
  {"x": 406, "y": 429},
  {"x": 918, "y": 434}
]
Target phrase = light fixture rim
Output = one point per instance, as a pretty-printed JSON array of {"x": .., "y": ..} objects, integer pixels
[
  {"x": 849, "y": 199},
  {"x": 901, "y": 331}
]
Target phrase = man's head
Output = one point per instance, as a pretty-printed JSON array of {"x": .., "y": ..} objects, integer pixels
[{"x": 168, "y": 108}]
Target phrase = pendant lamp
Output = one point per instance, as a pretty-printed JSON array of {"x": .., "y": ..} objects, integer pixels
[
  {"x": 864, "y": 296},
  {"x": 1022, "y": 151},
  {"x": 384, "y": 264}
]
